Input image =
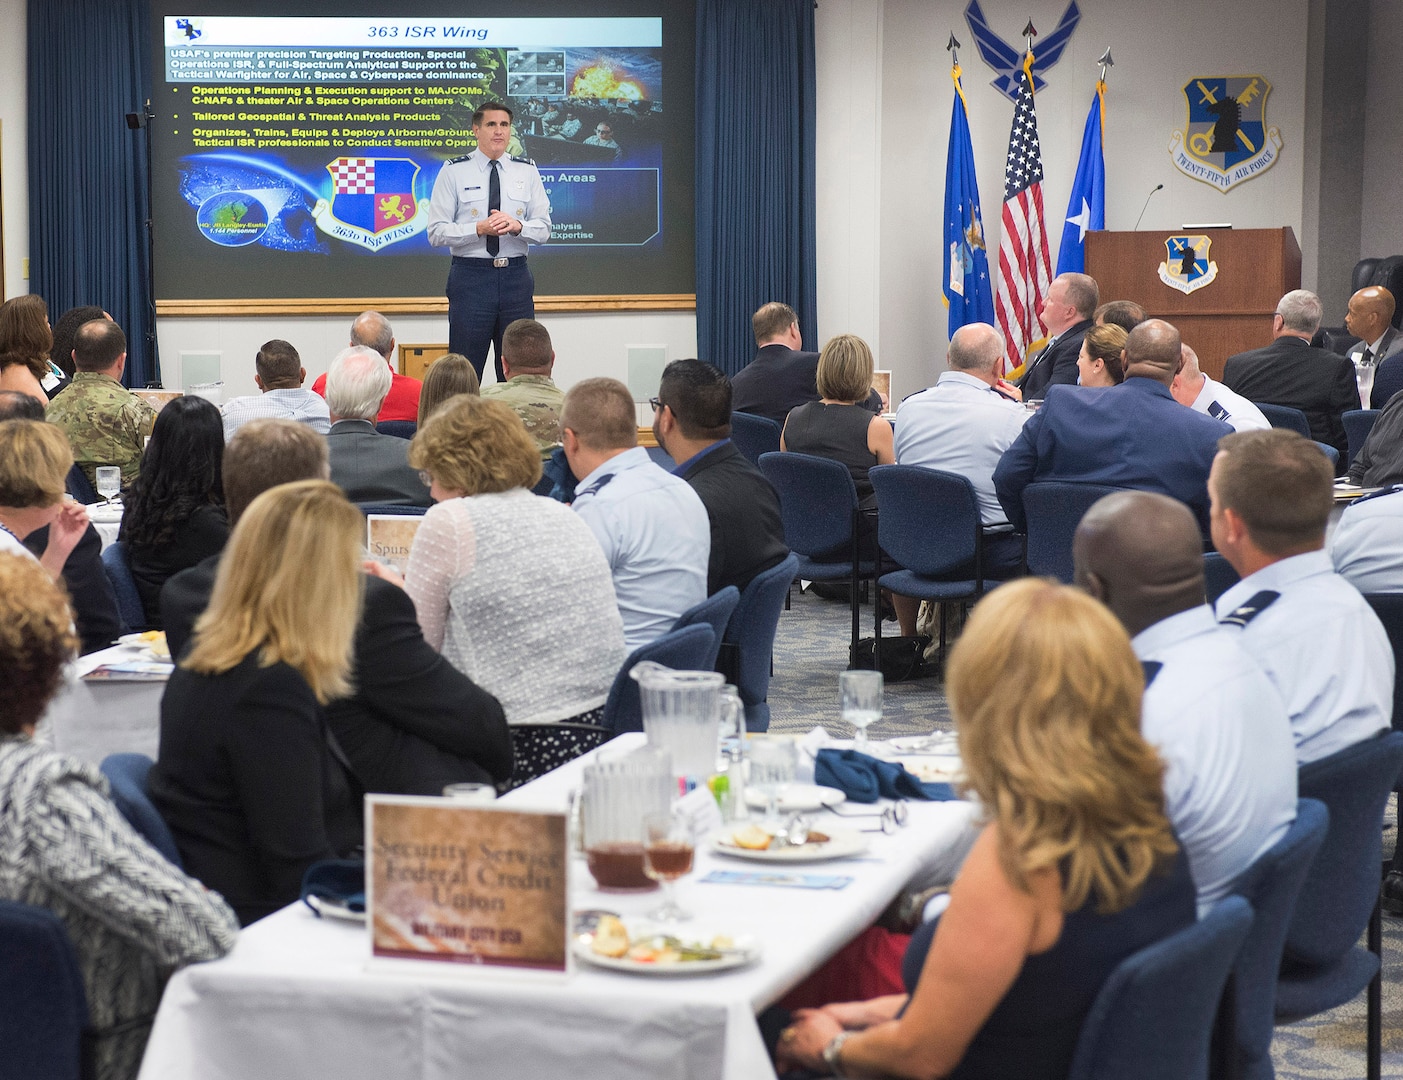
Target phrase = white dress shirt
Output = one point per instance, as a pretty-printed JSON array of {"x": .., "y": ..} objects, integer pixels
[{"x": 1217, "y": 401}]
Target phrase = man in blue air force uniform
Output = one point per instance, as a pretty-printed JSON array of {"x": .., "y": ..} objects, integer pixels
[{"x": 486, "y": 207}]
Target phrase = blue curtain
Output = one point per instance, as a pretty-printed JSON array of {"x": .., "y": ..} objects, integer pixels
[
  {"x": 755, "y": 171},
  {"x": 88, "y": 179}
]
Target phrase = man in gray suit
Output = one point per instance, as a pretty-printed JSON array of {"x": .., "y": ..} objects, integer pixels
[
  {"x": 367, "y": 466},
  {"x": 1370, "y": 318}
]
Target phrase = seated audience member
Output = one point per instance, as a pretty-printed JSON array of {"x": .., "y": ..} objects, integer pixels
[
  {"x": 1292, "y": 373},
  {"x": 1366, "y": 547},
  {"x": 175, "y": 510},
  {"x": 448, "y": 376},
  {"x": 1126, "y": 314},
  {"x": 1210, "y": 711},
  {"x": 511, "y": 588},
  {"x": 94, "y": 605},
  {"x": 279, "y": 373},
  {"x": 106, "y": 423},
  {"x": 1102, "y": 357},
  {"x": 1370, "y": 318},
  {"x": 1193, "y": 388},
  {"x": 246, "y": 777},
  {"x": 66, "y": 329},
  {"x": 836, "y": 426},
  {"x": 413, "y": 723},
  {"x": 781, "y": 377},
  {"x": 1066, "y": 313},
  {"x": 1134, "y": 435},
  {"x": 25, "y": 332},
  {"x": 1313, "y": 634},
  {"x": 34, "y": 462},
  {"x": 1065, "y": 881},
  {"x": 367, "y": 466},
  {"x": 692, "y": 422},
  {"x": 527, "y": 362},
  {"x": 372, "y": 330},
  {"x": 132, "y": 916},
  {"x": 1380, "y": 460},
  {"x": 18, "y": 377},
  {"x": 652, "y": 526}
]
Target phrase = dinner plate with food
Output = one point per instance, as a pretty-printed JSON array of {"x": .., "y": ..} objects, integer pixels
[
  {"x": 761, "y": 844},
  {"x": 640, "y": 947}
]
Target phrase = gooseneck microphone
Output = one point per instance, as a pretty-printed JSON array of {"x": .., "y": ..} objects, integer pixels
[{"x": 1151, "y": 195}]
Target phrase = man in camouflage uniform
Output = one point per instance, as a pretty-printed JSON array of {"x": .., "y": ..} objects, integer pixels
[
  {"x": 105, "y": 422},
  {"x": 527, "y": 360}
]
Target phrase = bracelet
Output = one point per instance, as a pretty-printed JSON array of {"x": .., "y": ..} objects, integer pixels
[{"x": 832, "y": 1051}]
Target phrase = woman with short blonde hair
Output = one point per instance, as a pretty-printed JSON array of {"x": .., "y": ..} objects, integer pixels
[
  {"x": 244, "y": 776},
  {"x": 448, "y": 376},
  {"x": 455, "y": 448},
  {"x": 1101, "y": 362},
  {"x": 34, "y": 461}
]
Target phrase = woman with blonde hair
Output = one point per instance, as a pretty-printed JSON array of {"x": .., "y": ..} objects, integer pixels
[
  {"x": 1101, "y": 361},
  {"x": 1075, "y": 869},
  {"x": 448, "y": 376},
  {"x": 34, "y": 461},
  {"x": 245, "y": 776}
]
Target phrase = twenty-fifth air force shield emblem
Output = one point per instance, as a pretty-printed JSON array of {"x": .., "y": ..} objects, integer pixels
[
  {"x": 1188, "y": 267},
  {"x": 1225, "y": 140}
]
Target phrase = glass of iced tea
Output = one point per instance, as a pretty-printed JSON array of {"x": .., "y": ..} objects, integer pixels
[{"x": 667, "y": 856}]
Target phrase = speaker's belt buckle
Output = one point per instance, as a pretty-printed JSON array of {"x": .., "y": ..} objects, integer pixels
[{"x": 500, "y": 262}]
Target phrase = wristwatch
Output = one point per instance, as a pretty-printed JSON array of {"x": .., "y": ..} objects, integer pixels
[{"x": 832, "y": 1051}]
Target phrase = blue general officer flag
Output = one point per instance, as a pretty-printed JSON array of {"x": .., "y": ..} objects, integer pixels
[
  {"x": 1086, "y": 209},
  {"x": 966, "y": 286}
]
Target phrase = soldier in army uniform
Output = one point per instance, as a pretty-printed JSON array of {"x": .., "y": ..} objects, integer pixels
[
  {"x": 527, "y": 361},
  {"x": 106, "y": 423}
]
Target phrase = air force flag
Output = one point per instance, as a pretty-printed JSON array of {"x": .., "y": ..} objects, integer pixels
[
  {"x": 1086, "y": 210},
  {"x": 966, "y": 284}
]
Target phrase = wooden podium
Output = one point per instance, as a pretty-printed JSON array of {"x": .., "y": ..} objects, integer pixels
[{"x": 1229, "y": 315}]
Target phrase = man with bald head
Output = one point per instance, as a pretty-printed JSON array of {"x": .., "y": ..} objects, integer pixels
[
  {"x": 1193, "y": 388},
  {"x": 1370, "y": 318},
  {"x": 1210, "y": 710},
  {"x": 372, "y": 330},
  {"x": 1134, "y": 435}
]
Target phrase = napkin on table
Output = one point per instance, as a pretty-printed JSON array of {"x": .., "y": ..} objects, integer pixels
[{"x": 865, "y": 779}]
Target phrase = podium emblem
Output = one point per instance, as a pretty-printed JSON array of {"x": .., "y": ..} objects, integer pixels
[
  {"x": 1225, "y": 139},
  {"x": 1187, "y": 267}
]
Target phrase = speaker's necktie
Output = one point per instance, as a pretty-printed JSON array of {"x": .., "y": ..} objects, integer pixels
[{"x": 494, "y": 202}]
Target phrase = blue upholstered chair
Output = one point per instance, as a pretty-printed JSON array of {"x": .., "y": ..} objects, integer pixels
[
  {"x": 1054, "y": 509},
  {"x": 1153, "y": 1019},
  {"x": 1218, "y": 576},
  {"x": 1358, "y": 423},
  {"x": 78, "y": 485},
  {"x": 127, "y": 775},
  {"x": 1331, "y": 453},
  {"x": 751, "y": 637},
  {"x": 683, "y": 650},
  {"x": 715, "y": 612},
  {"x": 43, "y": 1006},
  {"x": 1388, "y": 380},
  {"x": 400, "y": 429},
  {"x": 1322, "y": 967},
  {"x": 1283, "y": 416},
  {"x": 391, "y": 508},
  {"x": 119, "y": 573},
  {"x": 754, "y": 435},
  {"x": 1271, "y": 886}
]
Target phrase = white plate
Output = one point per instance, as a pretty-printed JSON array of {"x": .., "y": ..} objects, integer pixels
[
  {"x": 940, "y": 743},
  {"x": 799, "y": 799},
  {"x": 330, "y": 909},
  {"x": 148, "y": 646},
  {"x": 745, "y": 951},
  {"x": 841, "y": 844},
  {"x": 104, "y": 515},
  {"x": 933, "y": 768}
]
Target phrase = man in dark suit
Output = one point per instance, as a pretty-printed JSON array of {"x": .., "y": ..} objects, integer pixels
[
  {"x": 415, "y": 723},
  {"x": 1370, "y": 319},
  {"x": 1134, "y": 435},
  {"x": 367, "y": 466},
  {"x": 781, "y": 376},
  {"x": 1066, "y": 313},
  {"x": 1289, "y": 372},
  {"x": 692, "y": 422}
]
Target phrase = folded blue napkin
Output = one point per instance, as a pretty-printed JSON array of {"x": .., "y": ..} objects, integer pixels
[
  {"x": 341, "y": 881},
  {"x": 865, "y": 779}
]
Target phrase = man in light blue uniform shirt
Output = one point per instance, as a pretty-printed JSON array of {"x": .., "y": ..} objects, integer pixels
[
  {"x": 1319, "y": 642},
  {"x": 485, "y": 208},
  {"x": 653, "y": 528},
  {"x": 1209, "y": 709},
  {"x": 1366, "y": 547}
]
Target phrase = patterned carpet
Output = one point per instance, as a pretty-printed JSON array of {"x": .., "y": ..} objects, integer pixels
[{"x": 811, "y": 649}]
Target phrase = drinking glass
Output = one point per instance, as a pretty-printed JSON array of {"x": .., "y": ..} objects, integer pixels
[
  {"x": 772, "y": 764},
  {"x": 861, "y": 693},
  {"x": 667, "y": 856},
  {"x": 109, "y": 482}
]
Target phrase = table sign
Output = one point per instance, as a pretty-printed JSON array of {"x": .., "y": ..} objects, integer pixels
[
  {"x": 158, "y": 399},
  {"x": 467, "y": 884},
  {"x": 390, "y": 536}
]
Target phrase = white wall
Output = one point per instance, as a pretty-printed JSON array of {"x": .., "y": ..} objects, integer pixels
[{"x": 14, "y": 183}]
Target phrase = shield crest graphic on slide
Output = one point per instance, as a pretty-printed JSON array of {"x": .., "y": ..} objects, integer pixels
[{"x": 372, "y": 202}]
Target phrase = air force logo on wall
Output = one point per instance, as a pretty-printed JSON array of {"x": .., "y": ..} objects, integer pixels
[
  {"x": 1226, "y": 140},
  {"x": 372, "y": 203},
  {"x": 1188, "y": 267}
]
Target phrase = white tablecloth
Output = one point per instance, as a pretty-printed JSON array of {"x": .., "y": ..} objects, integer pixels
[
  {"x": 295, "y": 1000},
  {"x": 90, "y": 720},
  {"x": 107, "y": 523}
]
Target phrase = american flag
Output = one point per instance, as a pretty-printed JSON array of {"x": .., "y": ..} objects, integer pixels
[{"x": 1025, "y": 268}]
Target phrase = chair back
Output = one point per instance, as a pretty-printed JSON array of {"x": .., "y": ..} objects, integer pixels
[
  {"x": 1271, "y": 886},
  {"x": 715, "y": 611},
  {"x": 1342, "y": 887},
  {"x": 1358, "y": 423},
  {"x": 1153, "y": 1019},
  {"x": 928, "y": 518},
  {"x": 817, "y": 498},
  {"x": 1283, "y": 416},
  {"x": 80, "y": 488},
  {"x": 754, "y": 435},
  {"x": 392, "y": 508},
  {"x": 1218, "y": 576},
  {"x": 127, "y": 775},
  {"x": 43, "y": 1006},
  {"x": 681, "y": 650},
  {"x": 1388, "y": 272},
  {"x": 119, "y": 573},
  {"x": 752, "y": 632},
  {"x": 1331, "y": 453},
  {"x": 1389, "y": 608},
  {"x": 1388, "y": 380},
  {"x": 400, "y": 429},
  {"x": 1054, "y": 509}
]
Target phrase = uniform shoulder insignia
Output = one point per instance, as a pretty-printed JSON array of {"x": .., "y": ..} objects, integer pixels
[
  {"x": 593, "y": 489},
  {"x": 456, "y": 160},
  {"x": 523, "y": 160},
  {"x": 1151, "y": 670},
  {"x": 1243, "y": 615},
  {"x": 1216, "y": 410},
  {"x": 1392, "y": 490}
]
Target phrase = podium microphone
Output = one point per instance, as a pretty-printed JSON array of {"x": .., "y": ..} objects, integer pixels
[{"x": 1151, "y": 195}]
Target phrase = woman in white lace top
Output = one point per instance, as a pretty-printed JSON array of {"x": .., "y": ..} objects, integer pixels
[
  {"x": 512, "y": 588},
  {"x": 132, "y": 916}
]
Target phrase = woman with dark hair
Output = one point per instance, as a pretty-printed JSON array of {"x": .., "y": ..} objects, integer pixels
[
  {"x": 66, "y": 329},
  {"x": 175, "y": 510},
  {"x": 24, "y": 332}
]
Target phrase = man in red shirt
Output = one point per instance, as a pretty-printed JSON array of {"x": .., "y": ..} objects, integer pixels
[{"x": 373, "y": 330}]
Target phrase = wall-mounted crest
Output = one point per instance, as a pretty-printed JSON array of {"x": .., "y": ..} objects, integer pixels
[{"x": 1225, "y": 139}]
